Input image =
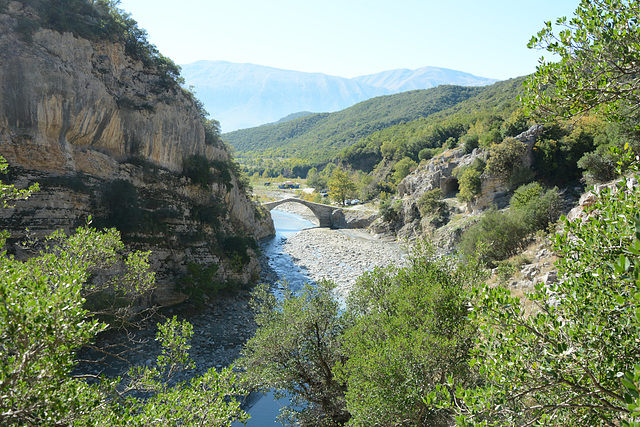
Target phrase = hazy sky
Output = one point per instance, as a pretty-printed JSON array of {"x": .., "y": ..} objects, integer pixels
[{"x": 349, "y": 38}]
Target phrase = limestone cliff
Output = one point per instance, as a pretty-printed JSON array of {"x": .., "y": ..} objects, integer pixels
[{"x": 107, "y": 135}]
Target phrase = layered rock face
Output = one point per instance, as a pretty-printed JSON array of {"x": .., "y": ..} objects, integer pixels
[{"x": 106, "y": 136}]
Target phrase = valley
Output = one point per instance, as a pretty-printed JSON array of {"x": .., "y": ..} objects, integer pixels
[{"x": 478, "y": 262}]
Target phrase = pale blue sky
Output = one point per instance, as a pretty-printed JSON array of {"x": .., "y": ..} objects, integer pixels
[{"x": 349, "y": 38}]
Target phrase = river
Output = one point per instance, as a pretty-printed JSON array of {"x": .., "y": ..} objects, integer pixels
[{"x": 264, "y": 408}]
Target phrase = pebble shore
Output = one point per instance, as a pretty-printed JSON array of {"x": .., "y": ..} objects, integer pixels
[{"x": 341, "y": 255}]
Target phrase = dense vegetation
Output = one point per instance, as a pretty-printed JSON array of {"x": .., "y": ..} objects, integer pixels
[
  {"x": 427, "y": 344},
  {"x": 431, "y": 344},
  {"x": 315, "y": 139}
]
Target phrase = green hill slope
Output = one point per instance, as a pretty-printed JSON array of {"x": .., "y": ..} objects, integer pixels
[{"x": 319, "y": 137}]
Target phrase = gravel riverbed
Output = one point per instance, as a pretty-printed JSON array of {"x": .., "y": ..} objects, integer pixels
[{"x": 341, "y": 255}]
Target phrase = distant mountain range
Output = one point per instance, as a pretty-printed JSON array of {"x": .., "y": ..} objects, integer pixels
[{"x": 247, "y": 95}]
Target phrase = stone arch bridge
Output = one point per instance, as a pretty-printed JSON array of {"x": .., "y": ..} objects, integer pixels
[{"x": 322, "y": 212}]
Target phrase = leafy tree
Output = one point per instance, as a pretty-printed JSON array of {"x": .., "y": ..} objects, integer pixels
[
  {"x": 561, "y": 358},
  {"x": 469, "y": 184},
  {"x": 598, "y": 68},
  {"x": 296, "y": 348},
  {"x": 403, "y": 168},
  {"x": 408, "y": 338},
  {"x": 341, "y": 187},
  {"x": 505, "y": 158}
]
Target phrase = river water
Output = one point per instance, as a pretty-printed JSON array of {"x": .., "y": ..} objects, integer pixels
[{"x": 264, "y": 408}]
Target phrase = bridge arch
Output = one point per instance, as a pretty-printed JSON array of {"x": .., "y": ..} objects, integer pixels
[{"x": 322, "y": 212}]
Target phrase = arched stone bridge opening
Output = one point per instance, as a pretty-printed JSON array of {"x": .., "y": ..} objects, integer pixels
[{"x": 322, "y": 212}]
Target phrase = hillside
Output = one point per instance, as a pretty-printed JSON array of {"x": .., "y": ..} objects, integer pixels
[
  {"x": 319, "y": 137},
  {"x": 247, "y": 95}
]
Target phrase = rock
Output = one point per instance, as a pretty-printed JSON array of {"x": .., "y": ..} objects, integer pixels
[{"x": 78, "y": 115}]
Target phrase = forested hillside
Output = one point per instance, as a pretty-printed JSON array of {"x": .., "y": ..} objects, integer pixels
[{"x": 317, "y": 138}]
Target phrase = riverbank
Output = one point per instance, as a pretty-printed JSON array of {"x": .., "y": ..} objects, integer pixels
[{"x": 341, "y": 255}]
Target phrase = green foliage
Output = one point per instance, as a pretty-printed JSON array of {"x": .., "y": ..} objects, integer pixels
[
  {"x": 431, "y": 205},
  {"x": 235, "y": 247},
  {"x": 8, "y": 193},
  {"x": 319, "y": 137},
  {"x": 389, "y": 209},
  {"x": 469, "y": 180},
  {"x": 295, "y": 349},
  {"x": 505, "y": 158},
  {"x": 341, "y": 187},
  {"x": 573, "y": 359},
  {"x": 470, "y": 143},
  {"x": 596, "y": 71},
  {"x": 496, "y": 236},
  {"x": 499, "y": 235},
  {"x": 558, "y": 151},
  {"x": 199, "y": 282},
  {"x": 408, "y": 341},
  {"x": 403, "y": 168},
  {"x": 198, "y": 169},
  {"x": 52, "y": 304}
]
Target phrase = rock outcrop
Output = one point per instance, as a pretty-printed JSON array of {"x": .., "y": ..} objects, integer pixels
[
  {"x": 406, "y": 220},
  {"x": 107, "y": 135}
]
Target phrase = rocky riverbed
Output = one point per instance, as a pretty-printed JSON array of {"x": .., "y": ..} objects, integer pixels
[{"x": 341, "y": 255}]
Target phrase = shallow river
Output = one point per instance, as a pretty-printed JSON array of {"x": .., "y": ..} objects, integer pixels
[{"x": 264, "y": 409}]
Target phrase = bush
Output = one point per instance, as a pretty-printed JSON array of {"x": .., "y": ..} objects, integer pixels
[
  {"x": 431, "y": 205},
  {"x": 495, "y": 237},
  {"x": 296, "y": 349},
  {"x": 470, "y": 143},
  {"x": 469, "y": 180},
  {"x": 538, "y": 207},
  {"x": 408, "y": 341},
  {"x": 505, "y": 158},
  {"x": 199, "y": 283},
  {"x": 198, "y": 169}
]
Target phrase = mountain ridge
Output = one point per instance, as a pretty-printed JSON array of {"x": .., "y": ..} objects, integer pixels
[{"x": 247, "y": 95}]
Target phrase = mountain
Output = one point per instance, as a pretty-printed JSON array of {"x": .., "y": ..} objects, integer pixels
[
  {"x": 247, "y": 95},
  {"x": 423, "y": 78},
  {"x": 107, "y": 134}
]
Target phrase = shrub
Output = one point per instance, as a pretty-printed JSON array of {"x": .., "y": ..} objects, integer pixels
[
  {"x": 470, "y": 143},
  {"x": 496, "y": 236},
  {"x": 505, "y": 158},
  {"x": 430, "y": 204},
  {"x": 199, "y": 282},
  {"x": 408, "y": 341},
  {"x": 198, "y": 169},
  {"x": 538, "y": 207},
  {"x": 469, "y": 180}
]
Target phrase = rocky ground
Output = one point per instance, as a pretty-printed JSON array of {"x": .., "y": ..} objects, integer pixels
[{"x": 341, "y": 255}]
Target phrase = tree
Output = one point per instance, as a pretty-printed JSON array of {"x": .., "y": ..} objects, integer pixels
[
  {"x": 403, "y": 168},
  {"x": 341, "y": 187},
  {"x": 559, "y": 357},
  {"x": 598, "y": 68},
  {"x": 296, "y": 348},
  {"x": 50, "y": 306},
  {"x": 408, "y": 341}
]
